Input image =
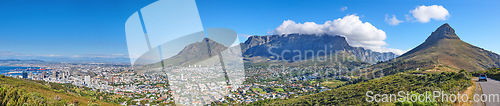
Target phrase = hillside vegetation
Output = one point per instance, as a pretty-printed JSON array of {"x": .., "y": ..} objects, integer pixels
[
  {"x": 493, "y": 73},
  {"x": 444, "y": 47},
  {"x": 18, "y": 92},
  {"x": 451, "y": 82}
]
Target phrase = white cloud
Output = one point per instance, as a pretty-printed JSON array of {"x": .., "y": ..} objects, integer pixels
[
  {"x": 408, "y": 18},
  {"x": 343, "y": 8},
  {"x": 393, "y": 20},
  {"x": 425, "y": 13},
  {"x": 358, "y": 33}
]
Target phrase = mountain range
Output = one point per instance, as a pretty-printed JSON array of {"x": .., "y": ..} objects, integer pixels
[
  {"x": 265, "y": 48},
  {"x": 440, "y": 63},
  {"x": 443, "y": 47},
  {"x": 289, "y": 47}
]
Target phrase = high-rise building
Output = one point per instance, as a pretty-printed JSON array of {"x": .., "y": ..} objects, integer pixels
[
  {"x": 24, "y": 74},
  {"x": 54, "y": 74},
  {"x": 43, "y": 74},
  {"x": 87, "y": 80},
  {"x": 30, "y": 76},
  {"x": 63, "y": 75}
]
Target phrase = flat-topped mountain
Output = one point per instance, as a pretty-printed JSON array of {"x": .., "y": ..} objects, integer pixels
[{"x": 273, "y": 46}]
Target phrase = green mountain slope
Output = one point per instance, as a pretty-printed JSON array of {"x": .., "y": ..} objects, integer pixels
[
  {"x": 17, "y": 92},
  {"x": 355, "y": 94},
  {"x": 442, "y": 48},
  {"x": 445, "y": 47}
]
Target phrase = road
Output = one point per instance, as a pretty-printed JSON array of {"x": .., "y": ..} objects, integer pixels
[{"x": 491, "y": 87}]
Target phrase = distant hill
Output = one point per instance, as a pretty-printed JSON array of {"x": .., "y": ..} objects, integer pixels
[
  {"x": 33, "y": 60},
  {"x": 22, "y": 61},
  {"x": 257, "y": 47},
  {"x": 71, "y": 59},
  {"x": 442, "y": 48}
]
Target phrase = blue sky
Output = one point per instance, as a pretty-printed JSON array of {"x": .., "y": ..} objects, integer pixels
[{"x": 63, "y": 27}]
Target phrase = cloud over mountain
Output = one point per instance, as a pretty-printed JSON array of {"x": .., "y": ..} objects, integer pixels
[
  {"x": 425, "y": 13},
  {"x": 357, "y": 32}
]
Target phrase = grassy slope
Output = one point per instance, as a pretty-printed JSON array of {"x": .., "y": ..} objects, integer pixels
[
  {"x": 355, "y": 94},
  {"x": 454, "y": 53},
  {"x": 333, "y": 83},
  {"x": 45, "y": 91},
  {"x": 442, "y": 48}
]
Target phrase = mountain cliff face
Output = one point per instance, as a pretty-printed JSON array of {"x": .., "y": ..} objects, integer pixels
[
  {"x": 444, "y": 47},
  {"x": 263, "y": 48},
  {"x": 295, "y": 46}
]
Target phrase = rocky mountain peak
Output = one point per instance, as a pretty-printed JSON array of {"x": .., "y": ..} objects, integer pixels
[
  {"x": 444, "y": 47},
  {"x": 445, "y": 31}
]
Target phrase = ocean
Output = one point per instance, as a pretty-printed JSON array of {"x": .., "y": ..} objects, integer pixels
[{"x": 5, "y": 69}]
